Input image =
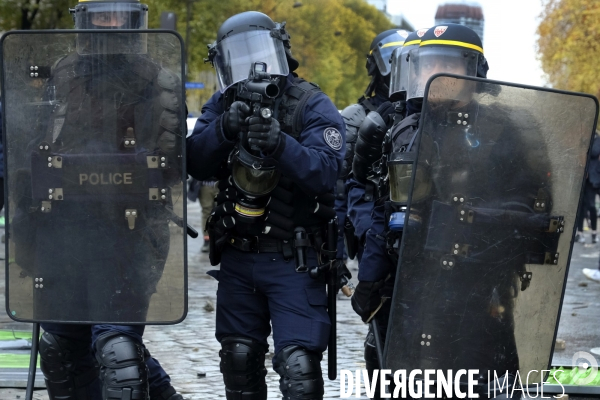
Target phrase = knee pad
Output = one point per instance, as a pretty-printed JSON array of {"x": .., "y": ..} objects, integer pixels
[
  {"x": 300, "y": 372},
  {"x": 69, "y": 368},
  {"x": 243, "y": 368},
  {"x": 123, "y": 370}
]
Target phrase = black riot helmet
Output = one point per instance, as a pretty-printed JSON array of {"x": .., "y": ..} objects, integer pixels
[
  {"x": 110, "y": 14},
  {"x": 245, "y": 39},
  {"x": 378, "y": 59},
  {"x": 449, "y": 48}
]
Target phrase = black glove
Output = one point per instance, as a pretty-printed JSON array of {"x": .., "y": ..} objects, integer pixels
[
  {"x": 234, "y": 119},
  {"x": 263, "y": 134},
  {"x": 343, "y": 274},
  {"x": 387, "y": 111},
  {"x": 366, "y": 298}
]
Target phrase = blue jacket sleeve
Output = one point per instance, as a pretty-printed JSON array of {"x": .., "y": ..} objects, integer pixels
[
  {"x": 375, "y": 264},
  {"x": 359, "y": 210},
  {"x": 314, "y": 160},
  {"x": 207, "y": 146}
]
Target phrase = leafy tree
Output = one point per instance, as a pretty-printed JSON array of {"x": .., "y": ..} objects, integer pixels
[
  {"x": 568, "y": 44},
  {"x": 35, "y": 14}
]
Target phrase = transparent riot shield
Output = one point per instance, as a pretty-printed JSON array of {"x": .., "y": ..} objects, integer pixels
[
  {"x": 488, "y": 236},
  {"x": 94, "y": 173}
]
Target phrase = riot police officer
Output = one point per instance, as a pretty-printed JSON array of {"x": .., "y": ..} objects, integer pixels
[
  {"x": 276, "y": 142},
  {"x": 420, "y": 58},
  {"x": 354, "y": 193},
  {"x": 107, "y": 88}
]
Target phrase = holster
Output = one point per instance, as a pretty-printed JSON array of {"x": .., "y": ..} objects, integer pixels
[{"x": 350, "y": 239}]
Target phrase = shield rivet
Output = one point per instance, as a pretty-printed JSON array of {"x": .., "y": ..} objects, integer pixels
[
  {"x": 127, "y": 213},
  {"x": 134, "y": 213},
  {"x": 49, "y": 158},
  {"x": 37, "y": 286},
  {"x": 46, "y": 147},
  {"x": 466, "y": 115},
  {"x": 455, "y": 251},
  {"x": 555, "y": 261},
  {"x": 427, "y": 343},
  {"x": 50, "y": 190},
  {"x": 462, "y": 199},
  {"x": 163, "y": 159},
  {"x": 163, "y": 197},
  {"x": 455, "y": 199},
  {"x": 36, "y": 279},
  {"x": 49, "y": 165},
  {"x": 458, "y": 122},
  {"x": 456, "y": 246},
  {"x": 133, "y": 142},
  {"x": 41, "y": 280},
  {"x": 445, "y": 263},
  {"x": 163, "y": 165},
  {"x": 450, "y": 263},
  {"x": 462, "y": 212},
  {"x": 543, "y": 204},
  {"x": 127, "y": 143},
  {"x": 41, "y": 286},
  {"x": 462, "y": 219},
  {"x": 41, "y": 147},
  {"x": 422, "y": 343},
  {"x": 423, "y": 336},
  {"x": 460, "y": 115},
  {"x": 428, "y": 336},
  {"x": 163, "y": 190},
  {"x": 31, "y": 68},
  {"x": 464, "y": 122},
  {"x": 43, "y": 208},
  {"x": 31, "y": 75},
  {"x": 50, "y": 197}
]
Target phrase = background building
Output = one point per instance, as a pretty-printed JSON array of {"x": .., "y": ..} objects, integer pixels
[
  {"x": 464, "y": 13},
  {"x": 399, "y": 21}
]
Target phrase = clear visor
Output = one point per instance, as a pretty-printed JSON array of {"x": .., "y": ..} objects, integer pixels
[
  {"x": 111, "y": 16},
  {"x": 384, "y": 51},
  {"x": 427, "y": 61},
  {"x": 103, "y": 17},
  {"x": 236, "y": 54},
  {"x": 254, "y": 182},
  {"x": 400, "y": 68}
]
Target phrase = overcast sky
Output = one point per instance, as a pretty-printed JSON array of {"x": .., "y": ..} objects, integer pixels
[{"x": 509, "y": 37}]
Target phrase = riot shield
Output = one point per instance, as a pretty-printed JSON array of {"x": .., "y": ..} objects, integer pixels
[
  {"x": 496, "y": 185},
  {"x": 94, "y": 174}
]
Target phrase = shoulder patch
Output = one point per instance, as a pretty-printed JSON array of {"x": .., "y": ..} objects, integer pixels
[{"x": 333, "y": 138}]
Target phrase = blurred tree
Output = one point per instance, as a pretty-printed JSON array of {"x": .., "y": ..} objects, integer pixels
[
  {"x": 568, "y": 44},
  {"x": 35, "y": 14}
]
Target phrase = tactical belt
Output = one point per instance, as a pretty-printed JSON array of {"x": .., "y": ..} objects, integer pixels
[{"x": 262, "y": 245}]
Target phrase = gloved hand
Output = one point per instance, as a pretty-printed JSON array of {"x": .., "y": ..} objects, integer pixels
[
  {"x": 366, "y": 298},
  {"x": 387, "y": 111},
  {"x": 234, "y": 119},
  {"x": 263, "y": 134},
  {"x": 343, "y": 274}
]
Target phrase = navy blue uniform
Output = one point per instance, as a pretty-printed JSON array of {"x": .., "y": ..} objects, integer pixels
[{"x": 258, "y": 288}]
